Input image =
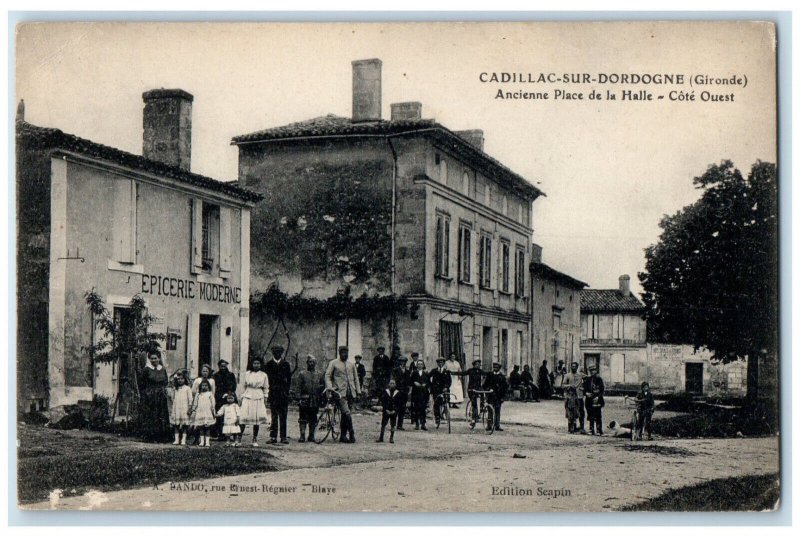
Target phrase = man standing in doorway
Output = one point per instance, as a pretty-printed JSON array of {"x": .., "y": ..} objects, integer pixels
[
  {"x": 381, "y": 371},
  {"x": 575, "y": 379},
  {"x": 341, "y": 377},
  {"x": 279, "y": 375}
]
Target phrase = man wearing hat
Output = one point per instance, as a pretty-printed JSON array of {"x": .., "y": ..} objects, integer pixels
[
  {"x": 341, "y": 377},
  {"x": 309, "y": 389},
  {"x": 381, "y": 371},
  {"x": 420, "y": 393},
  {"x": 401, "y": 377},
  {"x": 475, "y": 376},
  {"x": 594, "y": 388},
  {"x": 279, "y": 375},
  {"x": 574, "y": 379},
  {"x": 440, "y": 381},
  {"x": 496, "y": 381},
  {"x": 224, "y": 383}
]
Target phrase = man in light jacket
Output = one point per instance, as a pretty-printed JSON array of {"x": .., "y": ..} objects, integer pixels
[{"x": 342, "y": 378}]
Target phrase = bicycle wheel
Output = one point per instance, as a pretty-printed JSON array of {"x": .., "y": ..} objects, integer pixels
[
  {"x": 439, "y": 409},
  {"x": 335, "y": 422},
  {"x": 487, "y": 418},
  {"x": 446, "y": 416},
  {"x": 471, "y": 407},
  {"x": 323, "y": 426}
]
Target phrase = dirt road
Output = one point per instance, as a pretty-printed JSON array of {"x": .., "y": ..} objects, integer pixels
[{"x": 463, "y": 471}]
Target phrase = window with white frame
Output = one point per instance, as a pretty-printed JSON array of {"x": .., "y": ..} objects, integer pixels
[
  {"x": 519, "y": 272},
  {"x": 442, "y": 245},
  {"x": 485, "y": 268},
  {"x": 465, "y": 252},
  {"x": 465, "y": 184}
]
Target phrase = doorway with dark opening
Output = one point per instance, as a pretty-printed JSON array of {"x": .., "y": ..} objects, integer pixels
[{"x": 208, "y": 341}]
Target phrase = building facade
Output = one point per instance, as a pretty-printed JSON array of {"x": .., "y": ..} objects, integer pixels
[
  {"x": 94, "y": 218},
  {"x": 555, "y": 315},
  {"x": 614, "y": 335},
  {"x": 401, "y": 207}
]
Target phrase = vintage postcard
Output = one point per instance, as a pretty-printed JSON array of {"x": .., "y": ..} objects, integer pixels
[{"x": 397, "y": 267}]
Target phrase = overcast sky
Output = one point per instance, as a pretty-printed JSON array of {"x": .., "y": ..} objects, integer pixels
[{"x": 610, "y": 170}]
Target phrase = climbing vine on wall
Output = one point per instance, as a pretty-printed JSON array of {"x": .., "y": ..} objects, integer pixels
[{"x": 342, "y": 305}]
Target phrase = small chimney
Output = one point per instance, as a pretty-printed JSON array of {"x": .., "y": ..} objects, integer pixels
[
  {"x": 367, "y": 90},
  {"x": 473, "y": 137},
  {"x": 401, "y": 111},
  {"x": 167, "y": 122},
  {"x": 536, "y": 253},
  {"x": 625, "y": 285},
  {"x": 21, "y": 110}
]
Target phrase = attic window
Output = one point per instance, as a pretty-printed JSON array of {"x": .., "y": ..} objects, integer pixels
[{"x": 437, "y": 159}]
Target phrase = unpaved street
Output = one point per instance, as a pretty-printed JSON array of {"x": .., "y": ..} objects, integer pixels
[{"x": 463, "y": 471}]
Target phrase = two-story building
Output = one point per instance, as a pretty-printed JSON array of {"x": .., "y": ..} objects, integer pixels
[
  {"x": 555, "y": 315},
  {"x": 614, "y": 334},
  {"x": 402, "y": 207},
  {"x": 94, "y": 218}
]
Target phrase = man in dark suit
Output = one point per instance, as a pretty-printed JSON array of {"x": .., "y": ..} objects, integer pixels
[
  {"x": 420, "y": 394},
  {"x": 361, "y": 372},
  {"x": 279, "y": 374},
  {"x": 496, "y": 381},
  {"x": 593, "y": 388},
  {"x": 224, "y": 383},
  {"x": 440, "y": 381},
  {"x": 401, "y": 377},
  {"x": 381, "y": 371}
]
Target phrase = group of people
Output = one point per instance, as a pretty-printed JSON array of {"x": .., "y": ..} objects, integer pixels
[{"x": 208, "y": 406}]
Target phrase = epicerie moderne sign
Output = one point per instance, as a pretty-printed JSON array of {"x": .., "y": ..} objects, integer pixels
[{"x": 183, "y": 288}]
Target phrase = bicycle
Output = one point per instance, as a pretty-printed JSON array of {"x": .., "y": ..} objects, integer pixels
[
  {"x": 329, "y": 418},
  {"x": 485, "y": 412},
  {"x": 443, "y": 404}
]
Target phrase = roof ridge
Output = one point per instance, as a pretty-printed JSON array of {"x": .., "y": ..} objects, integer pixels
[{"x": 57, "y": 138}]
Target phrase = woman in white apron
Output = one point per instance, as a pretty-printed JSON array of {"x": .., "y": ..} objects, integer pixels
[{"x": 456, "y": 390}]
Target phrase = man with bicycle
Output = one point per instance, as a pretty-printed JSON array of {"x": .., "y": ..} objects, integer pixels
[
  {"x": 496, "y": 383},
  {"x": 341, "y": 377},
  {"x": 475, "y": 377},
  {"x": 440, "y": 381},
  {"x": 309, "y": 389}
]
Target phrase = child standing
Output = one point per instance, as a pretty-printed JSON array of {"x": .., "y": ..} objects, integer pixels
[
  {"x": 390, "y": 401},
  {"x": 571, "y": 408},
  {"x": 181, "y": 404},
  {"x": 203, "y": 415},
  {"x": 256, "y": 389},
  {"x": 229, "y": 412}
]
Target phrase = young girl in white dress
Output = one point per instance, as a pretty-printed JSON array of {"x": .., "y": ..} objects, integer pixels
[
  {"x": 254, "y": 408},
  {"x": 229, "y": 412},
  {"x": 203, "y": 415},
  {"x": 181, "y": 405}
]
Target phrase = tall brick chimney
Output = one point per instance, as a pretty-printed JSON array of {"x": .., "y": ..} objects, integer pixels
[
  {"x": 536, "y": 253},
  {"x": 410, "y": 110},
  {"x": 167, "y": 122},
  {"x": 367, "y": 90},
  {"x": 625, "y": 285},
  {"x": 473, "y": 137}
]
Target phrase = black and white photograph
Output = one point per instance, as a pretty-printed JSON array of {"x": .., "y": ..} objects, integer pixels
[{"x": 397, "y": 267}]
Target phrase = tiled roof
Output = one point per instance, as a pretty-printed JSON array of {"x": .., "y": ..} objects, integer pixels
[
  {"x": 609, "y": 300},
  {"x": 540, "y": 269},
  {"x": 332, "y": 125},
  {"x": 41, "y": 137}
]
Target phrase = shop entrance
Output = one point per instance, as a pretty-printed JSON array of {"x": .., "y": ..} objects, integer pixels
[
  {"x": 208, "y": 341},
  {"x": 694, "y": 378}
]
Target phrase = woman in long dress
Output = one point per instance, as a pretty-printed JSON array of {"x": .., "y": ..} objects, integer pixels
[
  {"x": 254, "y": 408},
  {"x": 456, "y": 389},
  {"x": 154, "y": 414}
]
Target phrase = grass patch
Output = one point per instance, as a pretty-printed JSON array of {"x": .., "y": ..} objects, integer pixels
[
  {"x": 77, "y": 461},
  {"x": 746, "y": 493},
  {"x": 716, "y": 418}
]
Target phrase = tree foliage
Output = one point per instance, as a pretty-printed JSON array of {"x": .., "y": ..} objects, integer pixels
[{"x": 712, "y": 278}]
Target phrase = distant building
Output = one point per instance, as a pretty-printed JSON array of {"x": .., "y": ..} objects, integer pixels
[
  {"x": 614, "y": 338},
  {"x": 555, "y": 315},
  {"x": 401, "y": 207},
  {"x": 94, "y": 217},
  {"x": 614, "y": 334}
]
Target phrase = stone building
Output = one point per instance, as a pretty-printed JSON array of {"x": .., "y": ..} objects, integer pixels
[
  {"x": 92, "y": 217},
  {"x": 555, "y": 315},
  {"x": 614, "y": 338},
  {"x": 614, "y": 334},
  {"x": 402, "y": 207}
]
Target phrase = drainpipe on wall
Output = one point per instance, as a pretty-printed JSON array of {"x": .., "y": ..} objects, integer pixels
[{"x": 393, "y": 331}]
